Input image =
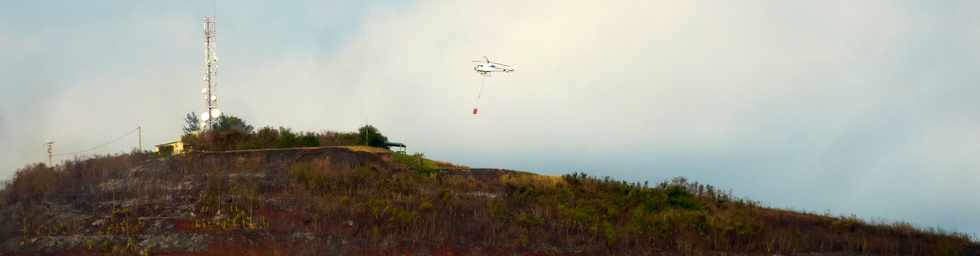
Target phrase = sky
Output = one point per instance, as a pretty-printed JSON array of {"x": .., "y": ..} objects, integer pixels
[{"x": 840, "y": 107}]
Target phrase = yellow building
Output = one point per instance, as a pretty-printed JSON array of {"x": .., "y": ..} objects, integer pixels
[{"x": 171, "y": 148}]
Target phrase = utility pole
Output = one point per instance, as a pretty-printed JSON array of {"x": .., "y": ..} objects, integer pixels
[
  {"x": 139, "y": 132},
  {"x": 50, "y": 151}
]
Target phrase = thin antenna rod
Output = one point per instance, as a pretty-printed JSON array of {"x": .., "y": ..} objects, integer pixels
[
  {"x": 50, "y": 151},
  {"x": 139, "y": 131}
]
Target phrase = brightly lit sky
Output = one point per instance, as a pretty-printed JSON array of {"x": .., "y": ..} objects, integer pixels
[{"x": 846, "y": 107}]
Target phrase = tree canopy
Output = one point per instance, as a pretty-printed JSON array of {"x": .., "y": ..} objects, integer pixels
[{"x": 233, "y": 133}]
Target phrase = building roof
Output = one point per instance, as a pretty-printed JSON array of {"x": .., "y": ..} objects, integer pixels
[
  {"x": 168, "y": 143},
  {"x": 395, "y": 144}
]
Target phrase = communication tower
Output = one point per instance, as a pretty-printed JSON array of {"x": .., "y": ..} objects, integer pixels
[{"x": 209, "y": 117}]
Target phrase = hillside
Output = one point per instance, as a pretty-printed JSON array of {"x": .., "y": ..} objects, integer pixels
[{"x": 359, "y": 200}]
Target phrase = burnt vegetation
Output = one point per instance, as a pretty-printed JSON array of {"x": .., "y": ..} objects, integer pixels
[{"x": 362, "y": 200}]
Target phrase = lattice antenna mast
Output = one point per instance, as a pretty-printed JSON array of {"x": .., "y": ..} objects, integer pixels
[{"x": 210, "y": 74}]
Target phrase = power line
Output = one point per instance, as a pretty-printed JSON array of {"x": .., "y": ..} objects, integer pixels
[{"x": 130, "y": 132}]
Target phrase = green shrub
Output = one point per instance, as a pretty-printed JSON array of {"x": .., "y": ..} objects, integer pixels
[
  {"x": 233, "y": 133},
  {"x": 417, "y": 162},
  {"x": 679, "y": 197},
  {"x": 371, "y": 136}
]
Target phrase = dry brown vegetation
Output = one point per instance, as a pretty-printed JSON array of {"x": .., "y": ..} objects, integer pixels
[{"x": 343, "y": 201}]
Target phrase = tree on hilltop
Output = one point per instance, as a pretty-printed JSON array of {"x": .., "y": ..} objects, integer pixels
[
  {"x": 192, "y": 123},
  {"x": 372, "y": 137}
]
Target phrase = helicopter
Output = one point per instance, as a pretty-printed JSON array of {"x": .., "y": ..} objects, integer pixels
[{"x": 486, "y": 67}]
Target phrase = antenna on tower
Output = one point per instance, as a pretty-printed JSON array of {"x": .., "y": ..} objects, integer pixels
[{"x": 210, "y": 74}]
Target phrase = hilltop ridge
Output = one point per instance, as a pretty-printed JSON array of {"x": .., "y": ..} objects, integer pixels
[{"x": 363, "y": 200}]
